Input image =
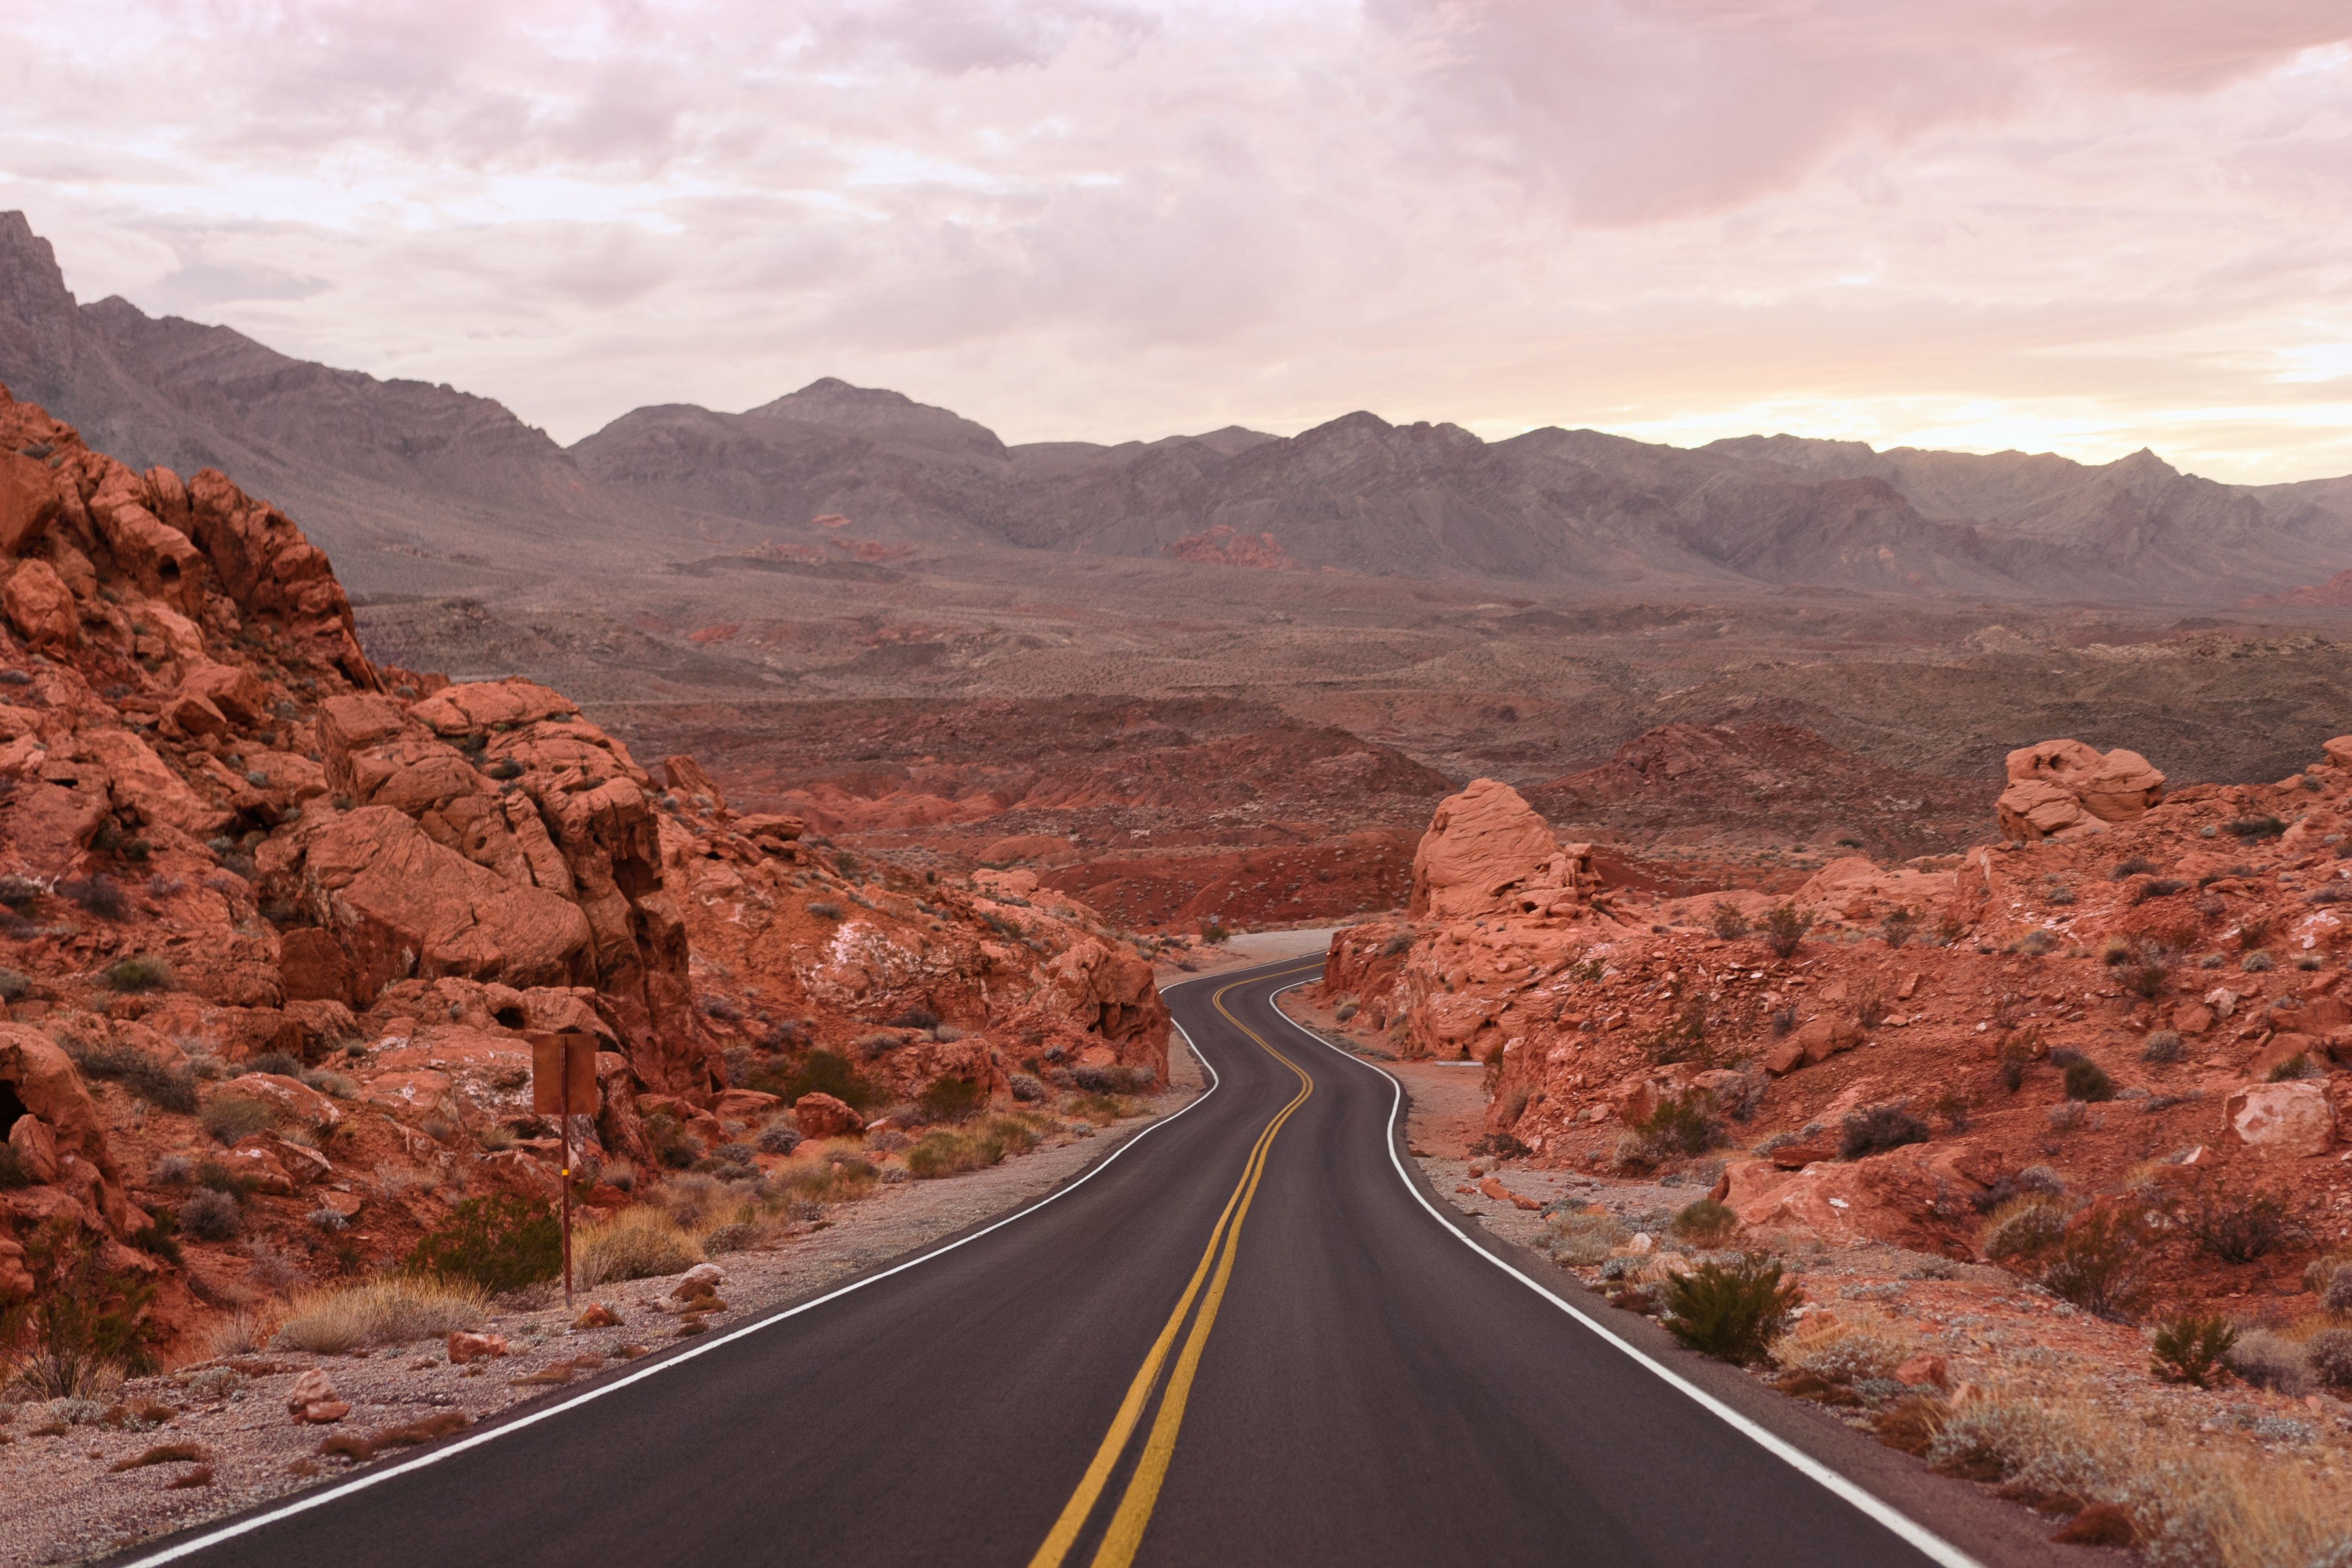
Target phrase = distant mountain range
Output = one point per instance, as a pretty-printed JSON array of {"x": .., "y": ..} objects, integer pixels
[{"x": 414, "y": 485}]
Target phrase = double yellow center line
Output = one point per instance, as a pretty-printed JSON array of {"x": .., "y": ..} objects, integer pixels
[{"x": 1125, "y": 1532}]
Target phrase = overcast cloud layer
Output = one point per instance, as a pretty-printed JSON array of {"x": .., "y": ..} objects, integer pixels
[{"x": 2082, "y": 225}]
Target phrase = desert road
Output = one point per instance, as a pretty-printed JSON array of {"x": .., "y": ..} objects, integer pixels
[{"x": 1249, "y": 1337}]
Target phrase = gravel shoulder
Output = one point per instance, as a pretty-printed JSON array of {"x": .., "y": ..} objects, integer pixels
[{"x": 63, "y": 1499}]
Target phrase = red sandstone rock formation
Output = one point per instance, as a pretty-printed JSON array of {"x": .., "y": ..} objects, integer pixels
[{"x": 225, "y": 834}]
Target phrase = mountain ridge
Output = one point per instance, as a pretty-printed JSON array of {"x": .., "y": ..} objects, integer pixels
[{"x": 424, "y": 485}]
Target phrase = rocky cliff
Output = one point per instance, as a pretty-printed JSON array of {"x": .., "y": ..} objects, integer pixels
[{"x": 278, "y": 917}]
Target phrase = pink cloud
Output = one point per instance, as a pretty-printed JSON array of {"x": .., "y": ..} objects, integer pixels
[{"x": 2085, "y": 225}]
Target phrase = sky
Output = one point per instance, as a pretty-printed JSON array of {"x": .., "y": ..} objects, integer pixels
[{"x": 2071, "y": 226}]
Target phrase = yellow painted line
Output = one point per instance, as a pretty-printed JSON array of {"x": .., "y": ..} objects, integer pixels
[{"x": 1134, "y": 1513}]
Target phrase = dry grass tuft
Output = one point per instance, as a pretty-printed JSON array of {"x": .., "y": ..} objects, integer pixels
[
  {"x": 2189, "y": 1506},
  {"x": 1845, "y": 1348},
  {"x": 395, "y": 1310},
  {"x": 639, "y": 1243}
]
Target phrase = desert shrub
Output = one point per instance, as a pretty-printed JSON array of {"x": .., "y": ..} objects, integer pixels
[
  {"x": 12, "y": 985},
  {"x": 1682, "y": 1037},
  {"x": 1844, "y": 1349},
  {"x": 827, "y": 1071},
  {"x": 1782, "y": 1021},
  {"x": 777, "y": 1138},
  {"x": 2191, "y": 1348},
  {"x": 1026, "y": 1087},
  {"x": 395, "y": 1309},
  {"x": 1110, "y": 1078},
  {"x": 83, "y": 1326},
  {"x": 1728, "y": 921},
  {"x": 1345, "y": 1011},
  {"x": 953, "y": 1100},
  {"x": 725, "y": 1009},
  {"x": 2035, "y": 944},
  {"x": 2086, "y": 1081},
  {"x": 21, "y": 894},
  {"x": 2066, "y": 1115},
  {"x": 277, "y": 1062},
  {"x": 2161, "y": 1046},
  {"x": 208, "y": 1215},
  {"x": 1679, "y": 1125},
  {"x": 2239, "y": 1229},
  {"x": 2333, "y": 1285},
  {"x": 139, "y": 1073},
  {"x": 1874, "y": 1128},
  {"x": 2145, "y": 981},
  {"x": 133, "y": 975},
  {"x": 1581, "y": 1236},
  {"x": 639, "y": 1243},
  {"x": 945, "y": 1153},
  {"x": 1872, "y": 1009},
  {"x": 2061, "y": 895},
  {"x": 2329, "y": 1353},
  {"x": 2138, "y": 865},
  {"x": 2270, "y": 1361},
  {"x": 97, "y": 894},
  {"x": 741, "y": 1236},
  {"x": 2158, "y": 888},
  {"x": 2022, "y": 1227},
  {"x": 1706, "y": 1223},
  {"x": 499, "y": 1243},
  {"x": 2254, "y": 828},
  {"x": 2257, "y": 962},
  {"x": 876, "y": 1044},
  {"x": 1401, "y": 942},
  {"x": 825, "y": 910},
  {"x": 1896, "y": 926},
  {"x": 1732, "y": 1312},
  {"x": 2096, "y": 1266},
  {"x": 1740, "y": 1098},
  {"x": 1785, "y": 929},
  {"x": 2291, "y": 1068},
  {"x": 230, "y": 1117},
  {"x": 1500, "y": 1146},
  {"x": 916, "y": 1018}
]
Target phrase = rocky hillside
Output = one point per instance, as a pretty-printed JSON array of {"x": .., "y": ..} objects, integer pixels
[
  {"x": 409, "y": 479},
  {"x": 2130, "y": 1008},
  {"x": 276, "y": 920}
]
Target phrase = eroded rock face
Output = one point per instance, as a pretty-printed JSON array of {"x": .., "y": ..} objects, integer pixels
[
  {"x": 227, "y": 836},
  {"x": 1487, "y": 850},
  {"x": 2064, "y": 788}
]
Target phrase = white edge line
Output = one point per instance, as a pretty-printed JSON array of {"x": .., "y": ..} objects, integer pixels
[
  {"x": 1930, "y": 1544},
  {"x": 375, "y": 1477}
]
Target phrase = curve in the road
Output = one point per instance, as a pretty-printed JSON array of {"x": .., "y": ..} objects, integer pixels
[{"x": 1371, "y": 1397}]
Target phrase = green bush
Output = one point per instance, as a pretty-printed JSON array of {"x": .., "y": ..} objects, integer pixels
[
  {"x": 1706, "y": 1223},
  {"x": 2086, "y": 1080},
  {"x": 953, "y": 1100},
  {"x": 824, "y": 1071},
  {"x": 1728, "y": 923},
  {"x": 1732, "y": 1312},
  {"x": 2191, "y": 1350},
  {"x": 1680, "y": 1125},
  {"x": 501, "y": 1243},
  {"x": 2252, "y": 827}
]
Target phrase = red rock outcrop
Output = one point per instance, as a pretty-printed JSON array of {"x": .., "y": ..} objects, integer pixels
[
  {"x": 1920, "y": 1046},
  {"x": 255, "y": 891},
  {"x": 2063, "y": 788}
]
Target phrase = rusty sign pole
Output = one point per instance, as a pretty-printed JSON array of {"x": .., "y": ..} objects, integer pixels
[
  {"x": 567, "y": 1172},
  {"x": 556, "y": 1059}
]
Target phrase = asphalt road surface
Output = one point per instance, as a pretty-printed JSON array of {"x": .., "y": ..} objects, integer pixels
[{"x": 1247, "y": 1338}]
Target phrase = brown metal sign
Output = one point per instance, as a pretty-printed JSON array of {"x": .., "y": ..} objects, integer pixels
[{"x": 559, "y": 1062}]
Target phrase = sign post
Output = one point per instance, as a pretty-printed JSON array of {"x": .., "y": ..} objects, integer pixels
[{"x": 562, "y": 1076}]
